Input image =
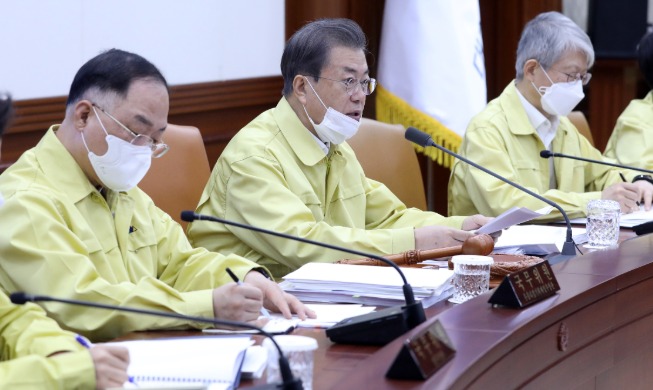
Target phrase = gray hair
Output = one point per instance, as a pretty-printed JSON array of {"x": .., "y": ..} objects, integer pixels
[{"x": 547, "y": 38}]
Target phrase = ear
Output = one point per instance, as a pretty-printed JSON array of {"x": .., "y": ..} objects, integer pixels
[
  {"x": 299, "y": 88},
  {"x": 529, "y": 69},
  {"x": 81, "y": 112}
]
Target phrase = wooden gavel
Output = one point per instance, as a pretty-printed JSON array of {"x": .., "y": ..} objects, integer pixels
[{"x": 481, "y": 244}]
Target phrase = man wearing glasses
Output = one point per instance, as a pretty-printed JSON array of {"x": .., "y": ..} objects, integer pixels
[
  {"x": 553, "y": 58},
  {"x": 290, "y": 169},
  {"x": 75, "y": 225}
]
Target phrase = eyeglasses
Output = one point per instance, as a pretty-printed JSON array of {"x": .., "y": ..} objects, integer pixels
[
  {"x": 367, "y": 86},
  {"x": 571, "y": 77},
  {"x": 158, "y": 148}
]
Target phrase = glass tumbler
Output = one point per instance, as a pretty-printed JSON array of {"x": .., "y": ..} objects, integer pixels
[
  {"x": 471, "y": 276},
  {"x": 602, "y": 223}
]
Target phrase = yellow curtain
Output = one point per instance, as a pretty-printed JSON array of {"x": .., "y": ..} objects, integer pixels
[{"x": 392, "y": 109}]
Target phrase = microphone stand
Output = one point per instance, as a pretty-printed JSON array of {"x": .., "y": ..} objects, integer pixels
[
  {"x": 289, "y": 382},
  {"x": 568, "y": 248},
  {"x": 413, "y": 310},
  {"x": 548, "y": 154}
]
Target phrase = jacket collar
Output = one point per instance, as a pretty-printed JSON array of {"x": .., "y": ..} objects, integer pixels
[
  {"x": 511, "y": 104},
  {"x": 59, "y": 166},
  {"x": 297, "y": 135}
]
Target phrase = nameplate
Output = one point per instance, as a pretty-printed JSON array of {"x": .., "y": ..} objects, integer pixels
[
  {"x": 423, "y": 354},
  {"x": 522, "y": 288}
]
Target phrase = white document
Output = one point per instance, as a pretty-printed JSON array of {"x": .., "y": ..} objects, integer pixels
[
  {"x": 627, "y": 220},
  {"x": 368, "y": 285},
  {"x": 536, "y": 239},
  {"x": 327, "y": 315},
  {"x": 513, "y": 216},
  {"x": 256, "y": 359}
]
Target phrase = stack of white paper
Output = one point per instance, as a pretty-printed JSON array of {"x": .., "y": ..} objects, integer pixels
[{"x": 367, "y": 285}]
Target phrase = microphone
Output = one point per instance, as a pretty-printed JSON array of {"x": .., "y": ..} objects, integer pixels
[
  {"x": 548, "y": 154},
  {"x": 376, "y": 328},
  {"x": 568, "y": 250},
  {"x": 289, "y": 381}
]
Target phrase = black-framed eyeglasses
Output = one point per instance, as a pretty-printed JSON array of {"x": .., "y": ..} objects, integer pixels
[
  {"x": 367, "y": 85},
  {"x": 571, "y": 77},
  {"x": 158, "y": 148}
]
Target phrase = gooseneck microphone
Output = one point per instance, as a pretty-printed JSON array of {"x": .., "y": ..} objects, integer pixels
[
  {"x": 549, "y": 154},
  {"x": 422, "y": 139},
  {"x": 289, "y": 381},
  {"x": 376, "y": 328}
]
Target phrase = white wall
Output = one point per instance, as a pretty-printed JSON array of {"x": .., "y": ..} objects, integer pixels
[{"x": 45, "y": 42}]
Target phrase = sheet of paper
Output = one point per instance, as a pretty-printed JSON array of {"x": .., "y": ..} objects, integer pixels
[
  {"x": 536, "y": 239},
  {"x": 514, "y": 216},
  {"x": 327, "y": 315},
  {"x": 626, "y": 220},
  {"x": 256, "y": 359}
]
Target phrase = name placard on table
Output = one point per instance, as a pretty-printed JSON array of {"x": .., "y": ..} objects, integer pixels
[
  {"x": 522, "y": 288},
  {"x": 423, "y": 354}
]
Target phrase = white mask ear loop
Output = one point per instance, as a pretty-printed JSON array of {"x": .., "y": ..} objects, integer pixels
[
  {"x": 101, "y": 125},
  {"x": 318, "y": 96},
  {"x": 542, "y": 90}
]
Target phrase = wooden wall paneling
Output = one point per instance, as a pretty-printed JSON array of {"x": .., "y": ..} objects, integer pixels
[
  {"x": 501, "y": 23},
  {"x": 367, "y": 13},
  {"x": 31, "y": 121},
  {"x": 218, "y": 109},
  {"x": 300, "y": 12}
]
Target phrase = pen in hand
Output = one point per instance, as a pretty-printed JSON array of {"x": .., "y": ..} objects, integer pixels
[
  {"x": 623, "y": 178},
  {"x": 84, "y": 342},
  {"x": 233, "y": 276}
]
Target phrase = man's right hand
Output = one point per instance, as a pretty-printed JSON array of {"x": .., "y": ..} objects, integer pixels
[
  {"x": 432, "y": 237},
  {"x": 627, "y": 194},
  {"x": 110, "y": 362},
  {"x": 237, "y": 302}
]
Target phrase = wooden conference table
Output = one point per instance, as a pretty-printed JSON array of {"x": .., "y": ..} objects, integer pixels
[{"x": 596, "y": 332}]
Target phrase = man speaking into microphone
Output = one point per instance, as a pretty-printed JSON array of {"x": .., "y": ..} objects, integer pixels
[
  {"x": 553, "y": 60},
  {"x": 290, "y": 170}
]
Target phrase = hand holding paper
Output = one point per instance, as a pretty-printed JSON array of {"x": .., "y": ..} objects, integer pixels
[{"x": 513, "y": 216}]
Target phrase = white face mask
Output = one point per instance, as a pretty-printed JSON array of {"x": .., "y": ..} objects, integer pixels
[
  {"x": 123, "y": 166},
  {"x": 560, "y": 98},
  {"x": 336, "y": 127}
]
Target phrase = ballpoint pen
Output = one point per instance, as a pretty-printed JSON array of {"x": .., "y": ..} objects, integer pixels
[
  {"x": 233, "y": 276},
  {"x": 84, "y": 342}
]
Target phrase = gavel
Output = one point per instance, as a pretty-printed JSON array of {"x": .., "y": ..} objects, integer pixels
[{"x": 481, "y": 244}]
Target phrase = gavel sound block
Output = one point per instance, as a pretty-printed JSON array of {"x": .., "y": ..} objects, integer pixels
[{"x": 481, "y": 244}]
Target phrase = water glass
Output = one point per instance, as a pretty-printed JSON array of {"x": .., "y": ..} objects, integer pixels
[
  {"x": 299, "y": 352},
  {"x": 471, "y": 276},
  {"x": 603, "y": 223}
]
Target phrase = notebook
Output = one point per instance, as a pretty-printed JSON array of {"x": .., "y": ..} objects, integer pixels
[{"x": 208, "y": 361}]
